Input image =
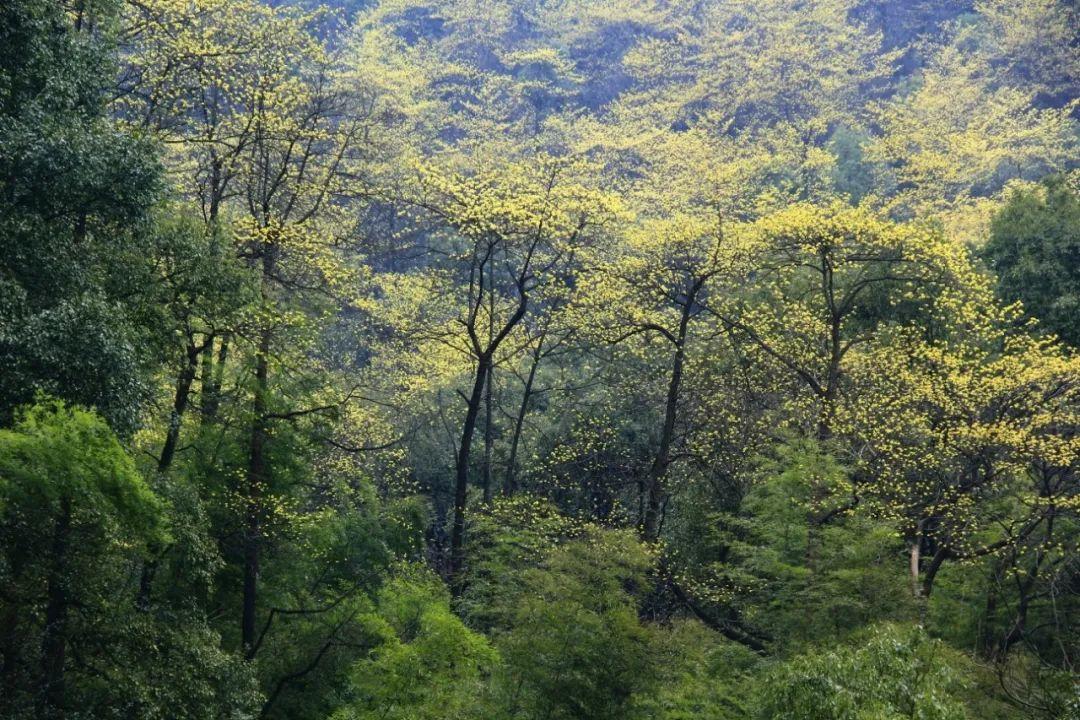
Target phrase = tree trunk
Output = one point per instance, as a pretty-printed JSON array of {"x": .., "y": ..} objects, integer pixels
[
  {"x": 213, "y": 374},
  {"x": 913, "y": 567},
  {"x": 489, "y": 435},
  {"x": 987, "y": 640},
  {"x": 510, "y": 483},
  {"x": 216, "y": 189},
  {"x": 832, "y": 381},
  {"x": 1024, "y": 588},
  {"x": 257, "y": 472},
  {"x": 824, "y": 428},
  {"x": 168, "y": 451},
  {"x": 655, "y": 490},
  {"x": 256, "y": 479},
  {"x": 938, "y": 559},
  {"x": 915, "y": 561},
  {"x": 832, "y": 377},
  {"x": 461, "y": 479},
  {"x": 180, "y": 403},
  {"x": 54, "y": 638},
  {"x": 9, "y": 649}
]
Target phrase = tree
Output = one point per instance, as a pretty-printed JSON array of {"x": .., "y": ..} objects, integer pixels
[
  {"x": 898, "y": 672},
  {"x": 739, "y": 71},
  {"x": 832, "y": 280},
  {"x": 267, "y": 138},
  {"x": 977, "y": 452},
  {"x": 73, "y": 504},
  {"x": 1033, "y": 248},
  {"x": 73, "y": 189},
  {"x": 693, "y": 283},
  {"x": 577, "y": 648},
  {"x": 425, "y": 662},
  {"x": 193, "y": 290},
  {"x": 763, "y": 571},
  {"x": 519, "y": 227},
  {"x": 657, "y": 284}
]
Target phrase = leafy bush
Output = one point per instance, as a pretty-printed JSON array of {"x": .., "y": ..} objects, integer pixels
[{"x": 898, "y": 672}]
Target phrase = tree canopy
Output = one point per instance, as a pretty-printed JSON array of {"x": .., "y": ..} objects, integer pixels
[{"x": 532, "y": 359}]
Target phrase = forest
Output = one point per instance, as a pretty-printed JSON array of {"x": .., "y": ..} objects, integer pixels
[{"x": 539, "y": 359}]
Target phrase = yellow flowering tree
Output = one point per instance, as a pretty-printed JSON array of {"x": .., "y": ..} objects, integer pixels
[
  {"x": 655, "y": 286},
  {"x": 509, "y": 234}
]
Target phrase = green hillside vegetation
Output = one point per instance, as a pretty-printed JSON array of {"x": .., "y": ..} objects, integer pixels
[{"x": 540, "y": 360}]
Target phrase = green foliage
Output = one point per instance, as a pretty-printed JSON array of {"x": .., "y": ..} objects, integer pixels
[
  {"x": 72, "y": 189},
  {"x": 56, "y": 455},
  {"x": 1034, "y": 248},
  {"x": 165, "y": 666},
  {"x": 424, "y": 663},
  {"x": 738, "y": 404},
  {"x": 898, "y": 672},
  {"x": 515, "y": 534},
  {"x": 75, "y": 517},
  {"x": 577, "y": 648},
  {"x": 805, "y": 583},
  {"x": 853, "y": 175},
  {"x": 699, "y": 676},
  {"x": 187, "y": 279}
]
